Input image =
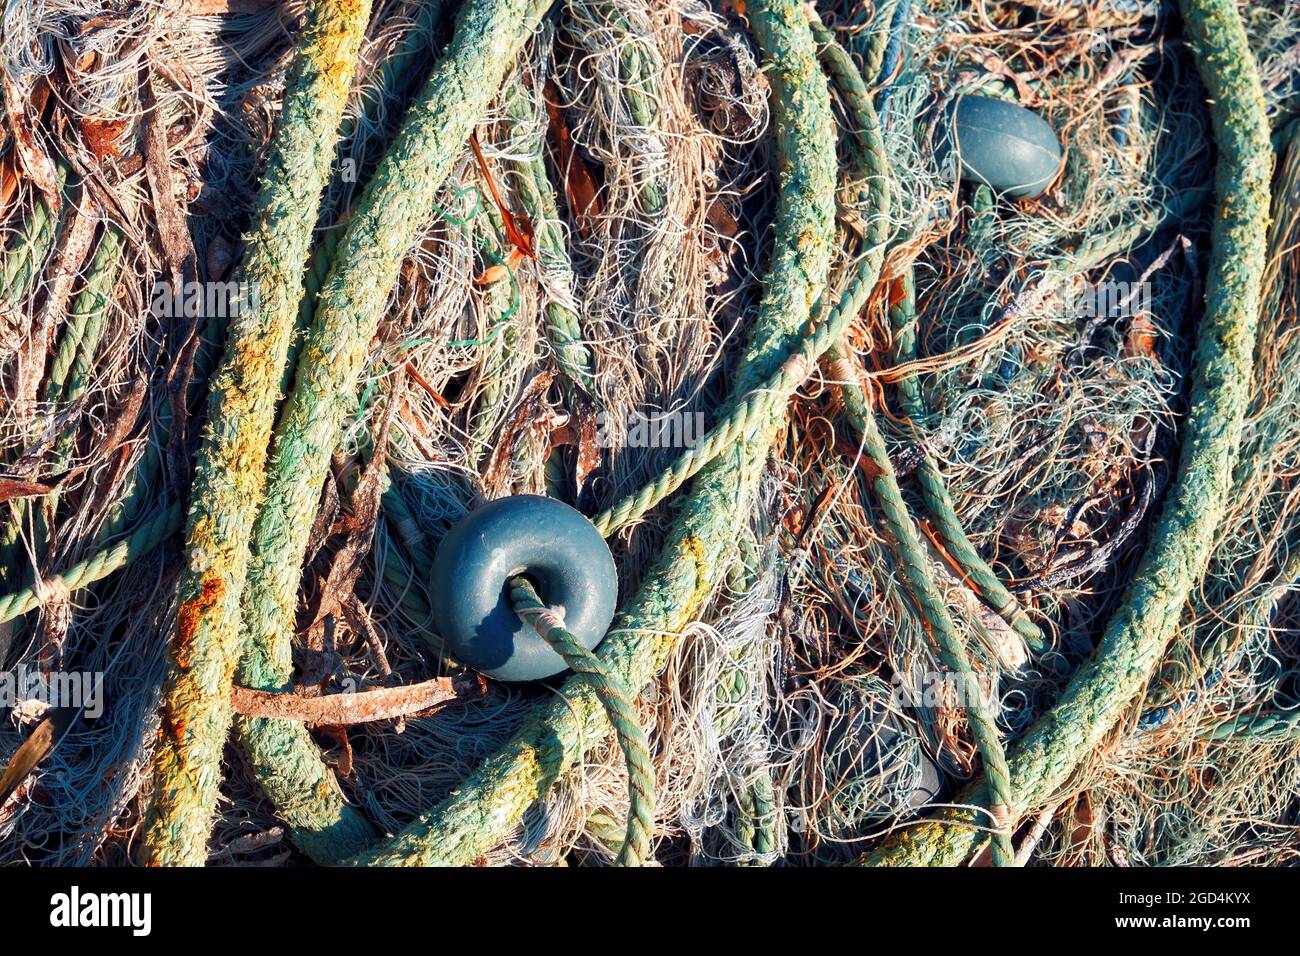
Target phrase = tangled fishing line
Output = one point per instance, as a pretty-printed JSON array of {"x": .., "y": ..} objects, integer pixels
[{"x": 289, "y": 289}]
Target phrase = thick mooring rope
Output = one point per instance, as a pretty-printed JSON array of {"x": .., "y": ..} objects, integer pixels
[
  {"x": 196, "y": 712},
  {"x": 1181, "y": 542},
  {"x": 475, "y": 817}
]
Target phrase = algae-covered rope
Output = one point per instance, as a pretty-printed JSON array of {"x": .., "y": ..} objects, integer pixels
[
  {"x": 196, "y": 711},
  {"x": 394, "y": 204},
  {"x": 1170, "y": 690},
  {"x": 487, "y": 805},
  {"x": 1221, "y": 655},
  {"x": 759, "y": 404},
  {"x": 756, "y": 406},
  {"x": 613, "y": 693},
  {"x": 934, "y": 490},
  {"x": 753, "y": 410},
  {"x": 380, "y": 231},
  {"x": 1135, "y": 637}
]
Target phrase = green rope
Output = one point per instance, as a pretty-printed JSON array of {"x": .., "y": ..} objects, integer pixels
[
  {"x": 381, "y": 229},
  {"x": 487, "y": 805},
  {"x": 31, "y": 246},
  {"x": 1134, "y": 639},
  {"x": 616, "y": 697},
  {"x": 284, "y": 757},
  {"x": 1167, "y": 690},
  {"x": 952, "y": 650},
  {"x": 911, "y": 552},
  {"x": 1263, "y": 728},
  {"x": 143, "y": 540},
  {"x": 86, "y": 322},
  {"x": 502, "y": 341},
  {"x": 19, "y": 269},
  {"x": 763, "y": 810},
  {"x": 934, "y": 490},
  {"x": 873, "y": 49},
  {"x": 196, "y": 709},
  {"x": 563, "y": 326},
  {"x": 773, "y": 394}
]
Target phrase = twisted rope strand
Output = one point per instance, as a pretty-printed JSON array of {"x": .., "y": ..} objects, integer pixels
[
  {"x": 100, "y": 565},
  {"x": 616, "y": 697},
  {"x": 934, "y": 490},
  {"x": 1135, "y": 637}
]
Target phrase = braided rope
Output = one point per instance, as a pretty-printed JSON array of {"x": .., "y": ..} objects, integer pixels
[
  {"x": 747, "y": 418},
  {"x": 875, "y": 50},
  {"x": 934, "y": 610},
  {"x": 1221, "y": 655},
  {"x": 1168, "y": 693},
  {"x": 616, "y": 697},
  {"x": 380, "y": 229},
  {"x": 143, "y": 540},
  {"x": 349, "y": 302}
]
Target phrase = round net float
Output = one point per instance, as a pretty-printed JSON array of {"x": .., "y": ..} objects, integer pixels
[
  {"x": 545, "y": 540},
  {"x": 1005, "y": 146},
  {"x": 879, "y": 771}
]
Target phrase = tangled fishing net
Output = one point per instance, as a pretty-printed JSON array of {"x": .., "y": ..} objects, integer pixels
[{"x": 588, "y": 274}]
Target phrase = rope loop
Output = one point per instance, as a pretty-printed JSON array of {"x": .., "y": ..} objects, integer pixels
[{"x": 616, "y": 698}]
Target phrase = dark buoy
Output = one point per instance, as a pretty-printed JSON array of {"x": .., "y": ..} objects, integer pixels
[
  {"x": 873, "y": 770},
  {"x": 559, "y": 549},
  {"x": 1005, "y": 146}
]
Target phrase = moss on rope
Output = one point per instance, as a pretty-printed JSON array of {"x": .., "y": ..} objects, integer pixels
[
  {"x": 553, "y": 739},
  {"x": 563, "y": 325},
  {"x": 1135, "y": 636},
  {"x": 381, "y": 229},
  {"x": 196, "y": 711}
]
